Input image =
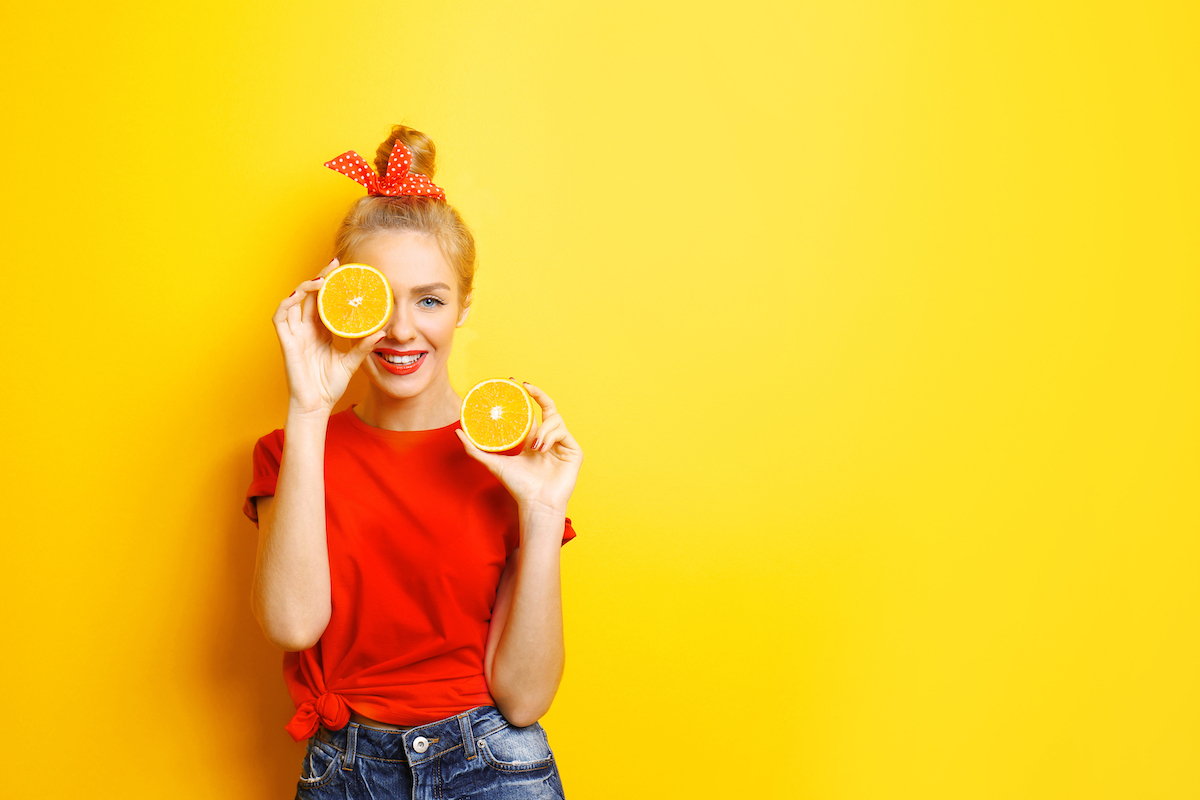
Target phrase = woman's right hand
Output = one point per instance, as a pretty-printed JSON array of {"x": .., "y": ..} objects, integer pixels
[{"x": 317, "y": 372}]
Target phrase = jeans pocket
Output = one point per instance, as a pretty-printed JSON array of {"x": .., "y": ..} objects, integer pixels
[
  {"x": 517, "y": 749},
  {"x": 320, "y": 763}
]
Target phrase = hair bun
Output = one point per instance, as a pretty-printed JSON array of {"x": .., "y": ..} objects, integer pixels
[{"x": 423, "y": 151}]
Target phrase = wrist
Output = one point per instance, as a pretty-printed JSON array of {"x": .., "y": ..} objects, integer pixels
[
  {"x": 540, "y": 530},
  {"x": 312, "y": 416},
  {"x": 541, "y": 511}
]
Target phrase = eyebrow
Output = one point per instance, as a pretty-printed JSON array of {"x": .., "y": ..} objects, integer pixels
[{"x": 428, "y": 287}]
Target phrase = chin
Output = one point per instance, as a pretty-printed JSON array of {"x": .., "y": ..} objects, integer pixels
[
  {"x": 400, "y": 391},
  {"x": 400, "y": 387}
]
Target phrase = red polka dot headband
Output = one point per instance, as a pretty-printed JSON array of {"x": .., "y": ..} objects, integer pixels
[{"x": 396, "y": 182}]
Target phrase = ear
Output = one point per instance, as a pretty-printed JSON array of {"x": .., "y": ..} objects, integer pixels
[{"x": 462, "y": 317}]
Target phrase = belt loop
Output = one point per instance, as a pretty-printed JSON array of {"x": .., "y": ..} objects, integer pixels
[
  {"x": 464, "y": 725},
  {"x": 351, "y": 746}
]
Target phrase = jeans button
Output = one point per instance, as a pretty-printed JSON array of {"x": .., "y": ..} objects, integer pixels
[{"x": 420, "y": 744}]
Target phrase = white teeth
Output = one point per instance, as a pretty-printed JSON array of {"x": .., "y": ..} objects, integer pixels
[{"x": 401, "y": 360}]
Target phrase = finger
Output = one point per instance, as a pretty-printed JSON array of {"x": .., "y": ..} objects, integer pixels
[
  {"x": 360, "y": 351},
  {"x": 309, "y": 286},
  {"x": 310, "y": 300},
  {"x": 330, "y": 267},
  {"x": 287, "y": 315},
  {"x": 550, "y": 439},
  {"x": 281, "y": 312},
  {"x": 546, "y": 430},
  {"x": 557, "y": 434},
  {"x": 297, "y": 297},
  {"x": 294, "y": 316},
  {"x": 530, "y": 437},
  {"x": 568, "y": 442},
  {"x": 561, "y": 436},
  {"x": 542, "y": 399},
  {"x": 308, "y": 308}
]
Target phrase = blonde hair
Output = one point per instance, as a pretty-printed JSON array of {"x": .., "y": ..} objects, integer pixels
[{"x": 376, "y": 214}]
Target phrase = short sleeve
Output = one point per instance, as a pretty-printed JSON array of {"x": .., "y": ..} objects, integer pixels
[
  {"x": 268, "y": 452},
  {"x": 568, "y": 531}
]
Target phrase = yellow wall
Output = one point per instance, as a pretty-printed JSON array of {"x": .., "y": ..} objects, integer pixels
[{"x": 877, "y": 321}]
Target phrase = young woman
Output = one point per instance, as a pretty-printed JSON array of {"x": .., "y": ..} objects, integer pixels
[{"x": 412, "y": 579}]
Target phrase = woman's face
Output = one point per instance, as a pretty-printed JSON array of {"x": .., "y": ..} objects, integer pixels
[{"x": 415, "y": 351}]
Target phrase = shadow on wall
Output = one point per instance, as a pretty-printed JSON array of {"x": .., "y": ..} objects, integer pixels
[{"x": 245, "y": 669}]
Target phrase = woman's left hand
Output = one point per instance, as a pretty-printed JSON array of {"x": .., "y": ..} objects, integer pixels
[{"x": 543, "y": 474}]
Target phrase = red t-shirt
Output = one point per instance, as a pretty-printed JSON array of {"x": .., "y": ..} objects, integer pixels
[{"x": 418, "y": 533}]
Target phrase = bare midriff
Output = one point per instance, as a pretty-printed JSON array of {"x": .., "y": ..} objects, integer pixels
[{"x": 372, "y": 723}]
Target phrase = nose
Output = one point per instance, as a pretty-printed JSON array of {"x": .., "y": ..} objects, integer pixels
[{"x": 400, "y": 327}]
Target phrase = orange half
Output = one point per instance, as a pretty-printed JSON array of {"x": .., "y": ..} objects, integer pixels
[
  {"x": 497, "y": 414},
  {"x": 354, "y": 301}
]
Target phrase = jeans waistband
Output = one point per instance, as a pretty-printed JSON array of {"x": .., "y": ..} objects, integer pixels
[{"x": 416, "y": 744}]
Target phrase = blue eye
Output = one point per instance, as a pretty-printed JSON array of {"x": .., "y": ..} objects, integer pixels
[{"x": 433, "y": 302}]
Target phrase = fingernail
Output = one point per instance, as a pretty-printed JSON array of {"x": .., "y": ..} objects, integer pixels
[
  {"x": 316, "y": 278},
  {"x": 536, "y": 443}
]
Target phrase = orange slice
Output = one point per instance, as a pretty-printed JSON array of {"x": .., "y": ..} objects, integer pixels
[
  {"x": 354, "y": 301},
  {"x": 497, "y": 414}
]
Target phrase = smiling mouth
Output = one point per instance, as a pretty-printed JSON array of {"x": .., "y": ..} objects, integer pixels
[
  {"x": 400, "y": 363},
  {"x": 406, "y": 360}
]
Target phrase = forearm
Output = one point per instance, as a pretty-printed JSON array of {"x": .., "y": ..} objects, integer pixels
[
  {"x": 291, "y": 585},
  {"x": 528, "y": 662}
]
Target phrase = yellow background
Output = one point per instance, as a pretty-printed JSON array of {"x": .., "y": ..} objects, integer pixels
[{"x": 877, "y": 322}]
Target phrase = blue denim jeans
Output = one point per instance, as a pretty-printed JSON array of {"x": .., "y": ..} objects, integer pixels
[{"x": 476, "y": 754}]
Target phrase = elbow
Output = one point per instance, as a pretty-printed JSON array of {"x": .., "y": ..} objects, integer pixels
[
  {"x": 522, "y": 714},
  {"x": 292, "y": 635},
  {"x": 524, "y": 705},
  {"x": 524, "y": 698},
  {"x": 523, "y": 722},
  {"x": 292, "y": 641}
]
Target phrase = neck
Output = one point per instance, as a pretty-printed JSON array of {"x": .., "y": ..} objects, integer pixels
[{"x": 436, "y": 407}]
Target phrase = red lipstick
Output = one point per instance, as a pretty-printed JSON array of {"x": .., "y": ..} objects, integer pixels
[{"x": 399, "y": 369}]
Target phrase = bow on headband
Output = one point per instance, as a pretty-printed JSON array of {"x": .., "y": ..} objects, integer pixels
[{"x": 398, "y": 180}]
